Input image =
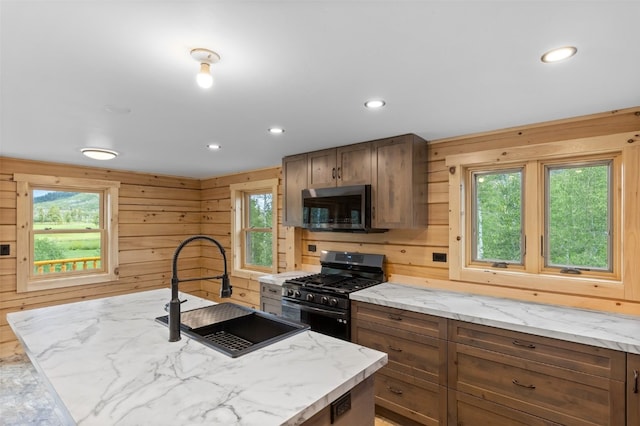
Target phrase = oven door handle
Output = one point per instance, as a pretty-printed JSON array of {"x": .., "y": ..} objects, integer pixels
[{"x": 305, "y": 308}]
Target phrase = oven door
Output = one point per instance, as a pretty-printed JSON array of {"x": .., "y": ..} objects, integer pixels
[{"x": 332, "y": 322}]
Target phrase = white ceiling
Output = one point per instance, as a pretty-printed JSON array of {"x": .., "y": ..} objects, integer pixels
[{"x": 445, "y": 68}]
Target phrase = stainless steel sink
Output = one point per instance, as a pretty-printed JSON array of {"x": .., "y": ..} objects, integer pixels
[{"x": 235, "y": 330}]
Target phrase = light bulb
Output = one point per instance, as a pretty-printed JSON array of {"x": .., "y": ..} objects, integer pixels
[
  {"x": 204, "y": 77},
  {"x": 559, "y": 54}
]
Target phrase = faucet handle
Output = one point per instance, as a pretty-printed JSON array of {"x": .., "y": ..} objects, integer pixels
[{"x": 166, "y": 305}]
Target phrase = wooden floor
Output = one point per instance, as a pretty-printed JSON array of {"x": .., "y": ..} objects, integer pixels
[{"x": 381, "y": 421}]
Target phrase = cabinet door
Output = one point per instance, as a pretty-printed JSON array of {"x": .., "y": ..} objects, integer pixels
[
  {"x": 633, "y": 389},
  {"x": 294, "y": 170},
  {"x": 322, "y": 170},
  {"x": 354, "y": 164},
  {"x": 393, "y": 183}
]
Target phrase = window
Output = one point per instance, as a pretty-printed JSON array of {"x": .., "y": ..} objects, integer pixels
[
  {"x": 254, "y": 224},
  {"x": 548, "y": 217},
  {"x": 497, "y": 229},
  {"x": 578, "y": 216},
  {"x": 67, "y": 236}
]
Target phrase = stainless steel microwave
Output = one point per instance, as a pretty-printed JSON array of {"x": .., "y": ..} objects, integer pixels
[{"x": 338, "y": 209}]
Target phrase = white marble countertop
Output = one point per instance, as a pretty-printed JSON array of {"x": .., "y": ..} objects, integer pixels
[
  {"x": 596, "y": 328},
  {"x": 279, "y": 279},
  {"x": 109, "y": 362}
]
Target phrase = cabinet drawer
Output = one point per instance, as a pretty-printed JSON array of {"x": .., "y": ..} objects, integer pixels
[
  {"x": 400, "y": 319},
  {"x": 270, "y": 290},
  {"x": 558, "y": 394},
  {"x": 415, "y": 399},
  {"x": 468, "y": 410},
  {"x": 574, "y": 356},
  {"x": 409, "y": 353},
  {"x": 271, "y": 306}
]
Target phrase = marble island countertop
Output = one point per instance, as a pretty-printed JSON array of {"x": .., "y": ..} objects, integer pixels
[
  {"x": 107, "y": 361},
  {"x": 602, "y": 329}
]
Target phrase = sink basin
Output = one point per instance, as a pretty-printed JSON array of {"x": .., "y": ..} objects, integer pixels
[{"x": 235, "y": 330}]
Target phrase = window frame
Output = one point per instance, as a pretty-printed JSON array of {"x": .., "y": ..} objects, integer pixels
[
  {"x": 239, "y": 193},
  {"x": 534, "y": 275},
  {"x": 471, "y": 224},
  {"x": 108, "y": 190}
]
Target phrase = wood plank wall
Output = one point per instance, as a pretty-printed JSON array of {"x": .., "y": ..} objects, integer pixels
[
  {"x": 216, "y": 208},
  {"x": 166, "y": 210},
  {"x": 409, "y": 252},
  {"x": 156, "y": 214}
]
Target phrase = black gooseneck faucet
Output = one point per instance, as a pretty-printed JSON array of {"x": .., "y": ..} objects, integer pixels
[{"x": 174, "y": 303}]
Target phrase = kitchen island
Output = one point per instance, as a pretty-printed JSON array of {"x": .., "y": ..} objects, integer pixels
[{"x": 107, "y": 361}]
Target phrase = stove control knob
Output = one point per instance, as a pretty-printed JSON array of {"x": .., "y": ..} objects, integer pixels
[
  {"x": 310, "y": 297},
  {"x": 290, "y": 292},
  {"x": 324, "y": 300},
  {"x": 296, "y": 293},
  {"x": 333, "y": 302}
]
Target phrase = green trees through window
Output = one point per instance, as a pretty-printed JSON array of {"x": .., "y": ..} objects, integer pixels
[
  {"x": 259, "y": 237},
  {"x": 497, "y": 224},
  {"x": 577, "y": 214}
]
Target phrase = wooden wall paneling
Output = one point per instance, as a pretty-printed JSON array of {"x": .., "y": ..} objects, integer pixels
[
  {"x": 617, "y": 121},
  {"x": 15, "y": 165},
  {"x": 156, "y": 214},
  {"x": 631, "y": 239}
]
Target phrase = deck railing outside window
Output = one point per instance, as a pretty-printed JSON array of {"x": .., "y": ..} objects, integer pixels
[{"x": 64, "y": 265}]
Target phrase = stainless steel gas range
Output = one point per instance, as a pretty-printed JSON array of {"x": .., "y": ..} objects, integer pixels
[{"x": 322, "y": 300}]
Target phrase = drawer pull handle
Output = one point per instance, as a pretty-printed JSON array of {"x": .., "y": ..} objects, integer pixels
[
  {"x": 395, "y": 317},
  {"x": 394, "y": 390},
  {"x": 272, "y": 291},
  {"x": 635, "y": 381},
  {"x": 391, "y": 348},
  {"x": 517, "y": 383},
  {"x": 524, "y": 345}
]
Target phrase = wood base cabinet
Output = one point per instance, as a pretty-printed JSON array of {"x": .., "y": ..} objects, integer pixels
[
  {"x": 271, "y": 298},
  {"x": 462, "y": 374},
  {"x": 633, "y": 389},
  {"x": 467, "y": 410},
  {"x": 411, "y": 388},
  {"x": 562, "y": 382}
]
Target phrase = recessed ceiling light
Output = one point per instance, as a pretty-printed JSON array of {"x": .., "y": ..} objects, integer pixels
[
  {"x": 375, "y": 103},
  {"x": 99, "y": 153},
  {"x": 559, "y": 54},
  {"x": 214, "y": 146},
  {"x": 276, "y": 130}
]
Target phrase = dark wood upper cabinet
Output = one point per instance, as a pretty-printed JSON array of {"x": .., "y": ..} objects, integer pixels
[
  {"x": 399, "y": 187},
  {"x": 396, "y": 169},
  {"x": 343, "y": 166},
  {"x": 294, "y": 174}
]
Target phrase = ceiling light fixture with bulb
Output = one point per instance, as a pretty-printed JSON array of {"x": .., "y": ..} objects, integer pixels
[
  {"x": 375, "y": 103},
  {"x": 206, "y": 58},
  {"x": 99, "y": 153},
  {"x": 559, "y": 54}
]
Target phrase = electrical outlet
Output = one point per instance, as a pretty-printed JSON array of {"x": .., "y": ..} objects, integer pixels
[
  {"x": 439, "y": 257},
  {"x": 311, "y": 247},
  {"x": 5, "y": 249}
]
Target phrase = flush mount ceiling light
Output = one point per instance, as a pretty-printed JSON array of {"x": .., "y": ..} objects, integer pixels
[
  {"x": 99, "y": 153},
  {"x": 276, "y": 130},
  {"x": 559, "y": 54},
  {"x": 214, "y": 146},
  {"x": 206, "y": 58},
  {"x": 375, "y": 103}
]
